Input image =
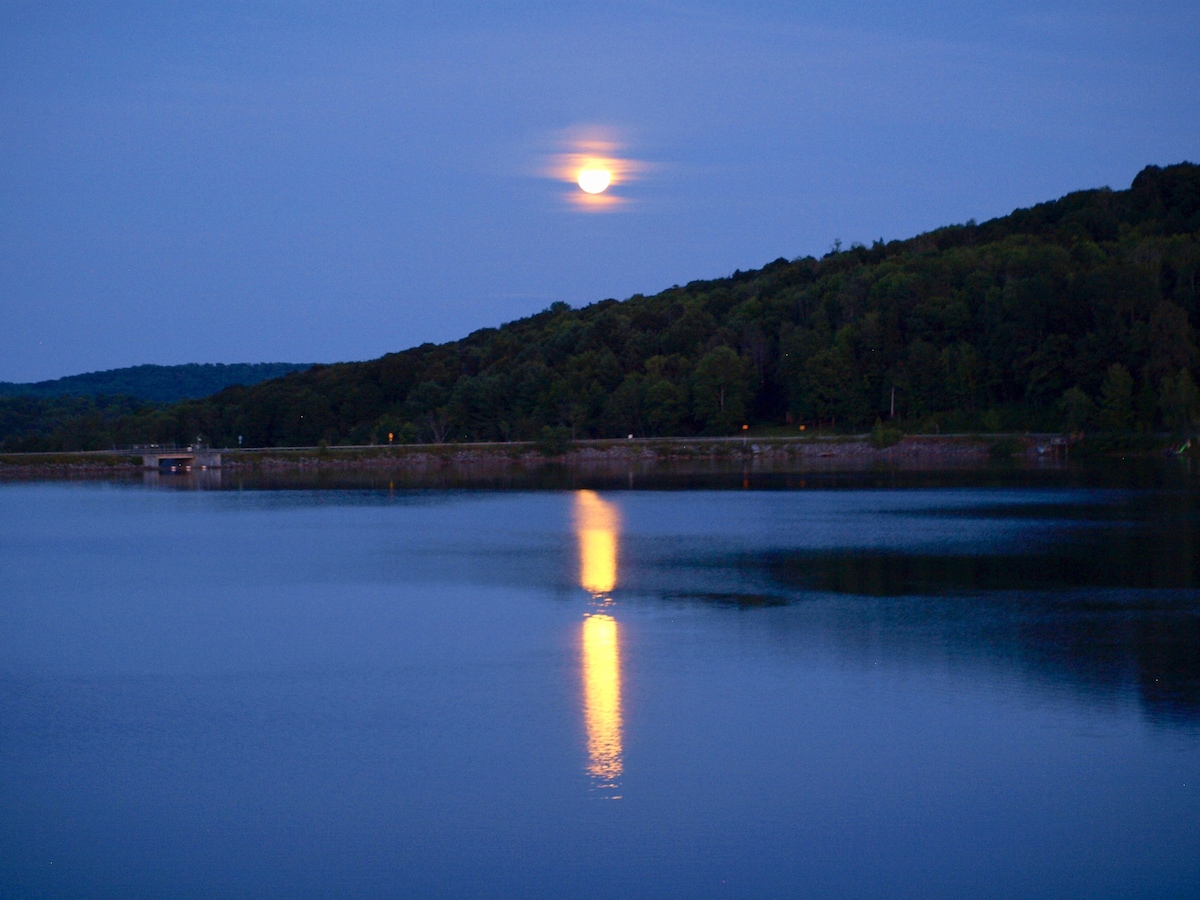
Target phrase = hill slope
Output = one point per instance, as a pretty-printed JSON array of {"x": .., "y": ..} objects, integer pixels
[
  {"x": 1079, "y": 312},
  {"x": 158, "y": 384}
]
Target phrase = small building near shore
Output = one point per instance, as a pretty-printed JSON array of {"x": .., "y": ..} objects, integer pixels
[{"x": 168, "y": 458}]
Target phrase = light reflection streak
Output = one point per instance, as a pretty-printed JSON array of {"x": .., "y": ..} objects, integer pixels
[
  {"x": 602, "y": 701},
  {"x": 597, "y": 528}
]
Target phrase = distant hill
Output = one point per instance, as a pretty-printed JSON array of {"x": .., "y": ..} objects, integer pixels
[
  {"x": 157, "y": 384},
  {"x": 1078, "y": 313}
]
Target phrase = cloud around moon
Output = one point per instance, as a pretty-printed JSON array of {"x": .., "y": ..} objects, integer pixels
[{"x": 594, "y": 148}]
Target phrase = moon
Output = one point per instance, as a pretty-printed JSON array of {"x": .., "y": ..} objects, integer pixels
[{"x": 594, "y": 178}]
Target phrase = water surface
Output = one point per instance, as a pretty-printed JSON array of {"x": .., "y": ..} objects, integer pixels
[{"x": 914, "y": 691}]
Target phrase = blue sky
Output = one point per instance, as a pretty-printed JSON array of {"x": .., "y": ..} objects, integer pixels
[{"x": 224, "y": 182}]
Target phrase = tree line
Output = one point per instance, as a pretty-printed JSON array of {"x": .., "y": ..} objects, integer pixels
[
  {"x": 1077, "y": 314},
  {"x": 162, "y": 384}
]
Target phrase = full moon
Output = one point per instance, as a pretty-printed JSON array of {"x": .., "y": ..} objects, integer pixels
[{"x": 594, "y": 179}]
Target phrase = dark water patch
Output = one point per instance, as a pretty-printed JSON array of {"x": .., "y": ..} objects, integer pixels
[
  {"x": 730, "y": 598},
  {"x": 1148, "y": 540},
  {"x": 1149, "y": 643},
  {"x": 881, "y": 573},
  {"x": 1101, "y": 592},
  {"x": 1102, "y": 647}
]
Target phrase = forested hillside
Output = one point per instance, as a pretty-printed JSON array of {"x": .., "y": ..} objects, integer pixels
[
  {"x": 159, "y": 384},
  {"x": 1076, "y": 314}
]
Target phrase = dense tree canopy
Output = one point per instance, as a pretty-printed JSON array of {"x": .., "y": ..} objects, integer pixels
[{"x": 1075, "y": 314}]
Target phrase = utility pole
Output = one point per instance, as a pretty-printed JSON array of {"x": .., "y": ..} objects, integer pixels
[{"x": 893, "y": 402}]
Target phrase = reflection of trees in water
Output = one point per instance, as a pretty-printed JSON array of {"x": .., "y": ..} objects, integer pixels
[
  {"x": 1145, "y": 542},
  {"x": 1112, "y": 604},
  {"x": 1103, "y": 643},
  {"x": 1167, "y": 652}
]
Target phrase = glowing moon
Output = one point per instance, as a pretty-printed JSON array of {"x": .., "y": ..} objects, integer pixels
[
  {"x": 594, "y": 179},
  {"x": 593, "y": 170}
]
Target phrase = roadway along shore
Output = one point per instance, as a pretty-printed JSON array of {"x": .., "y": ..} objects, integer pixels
[{"x": 916, "y": 451}]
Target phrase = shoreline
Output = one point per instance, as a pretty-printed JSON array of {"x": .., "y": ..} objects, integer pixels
[{"x": 850, "y": 451}]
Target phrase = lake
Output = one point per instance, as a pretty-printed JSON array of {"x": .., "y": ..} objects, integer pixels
[{"x": 902, "y": 685}]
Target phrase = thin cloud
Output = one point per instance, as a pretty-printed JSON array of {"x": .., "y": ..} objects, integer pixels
[{"x": 594, "y": 146}]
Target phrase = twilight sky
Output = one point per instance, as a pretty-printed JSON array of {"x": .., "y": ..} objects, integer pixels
[{"x": 230, "y": 182}]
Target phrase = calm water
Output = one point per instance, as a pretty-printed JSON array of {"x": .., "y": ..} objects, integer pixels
[{"x": 825, "y": 691}]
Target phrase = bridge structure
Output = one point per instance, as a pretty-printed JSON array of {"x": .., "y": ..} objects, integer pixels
[{"x": 163, "y": 458}]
